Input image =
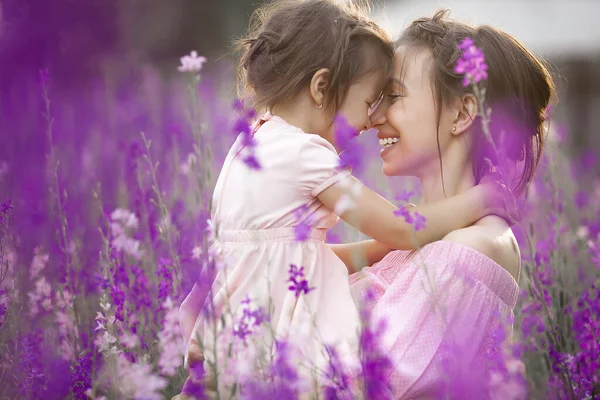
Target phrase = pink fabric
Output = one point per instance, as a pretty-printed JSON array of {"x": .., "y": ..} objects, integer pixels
[
  {"x": 256, "y": 215},
  {"x": 446, "y": 293}
]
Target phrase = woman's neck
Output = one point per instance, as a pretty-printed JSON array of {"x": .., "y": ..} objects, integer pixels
[{"x": 457, "y": 178}]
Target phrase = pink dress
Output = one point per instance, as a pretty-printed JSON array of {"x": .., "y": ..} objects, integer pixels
[
  {"x": 256, "y": 213},
  {"x": 444, "y": 294}
]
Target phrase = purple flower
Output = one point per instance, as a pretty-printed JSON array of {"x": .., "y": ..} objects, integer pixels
[
  {"x": 252, "y": 162},
  {"x": 2, "y": 311},
  {"x": 338, "y": 376},
  {"x": 29, "y": 371},
  {"x": 298, "y": 285},
  {"x": 6, "y": 207},
  {"x": 281, "y": 380},
  {"x": 302, "y": 229},
  {"x": 191, "y": 63},
  {"x": 82, "y": 380},
  {"x": 405, "y": 196},
  {"x": 420, "y": 221},
  {"x": 417, "y": 220},
  {"x": 249, "y": 319},
  {"x": 345, "y": 139},
  {"x": 405, "y": 213},
  {"x": 242, "y": 125},
  {"x": 165, "y": 274},
  {"x": 194, "y": 389},
  {"x": 376, "y": 365},
  {"x": 471, "y": 63}
]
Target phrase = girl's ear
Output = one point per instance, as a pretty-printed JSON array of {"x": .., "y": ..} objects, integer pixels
[{"x": 318, "y": 86}]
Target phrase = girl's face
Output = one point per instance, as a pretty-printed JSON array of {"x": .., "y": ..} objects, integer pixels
[
  {"x": 406, "y": 119},
  {"x": 362, "y": 95}
]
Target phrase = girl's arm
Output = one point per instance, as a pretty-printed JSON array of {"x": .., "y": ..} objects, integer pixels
[{"x": 373, "y": 215}]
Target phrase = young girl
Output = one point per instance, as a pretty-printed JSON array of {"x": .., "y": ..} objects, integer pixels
[{"x": 305, "y": 63}]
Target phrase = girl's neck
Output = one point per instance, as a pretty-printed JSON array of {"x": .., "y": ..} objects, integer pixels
[{"x": 301, "y": 113}]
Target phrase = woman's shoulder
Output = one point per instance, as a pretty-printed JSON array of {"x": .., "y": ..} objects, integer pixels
[{"x": 493, "y": 238}]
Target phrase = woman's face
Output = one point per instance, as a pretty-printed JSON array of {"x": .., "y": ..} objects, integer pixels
[{"x": 406, "y": 119}]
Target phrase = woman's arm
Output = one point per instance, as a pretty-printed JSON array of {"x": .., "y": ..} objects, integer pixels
[
  {"x": 374, "y": 216},
  {"x": 357, "y": 255}
]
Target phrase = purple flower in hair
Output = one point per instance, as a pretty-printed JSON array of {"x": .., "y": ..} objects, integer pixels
[{"x": 471, "y": 63}]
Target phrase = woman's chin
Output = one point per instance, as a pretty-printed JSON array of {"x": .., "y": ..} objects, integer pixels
[{"x": 390, "y": 170}]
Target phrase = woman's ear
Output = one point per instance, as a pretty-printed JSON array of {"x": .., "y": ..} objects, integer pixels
[
  {"x": 318, "y": 86},
  {"x": 466, "y": 112}
]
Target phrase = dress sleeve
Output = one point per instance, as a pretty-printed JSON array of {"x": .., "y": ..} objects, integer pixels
[{"x": 318, "y": 166}]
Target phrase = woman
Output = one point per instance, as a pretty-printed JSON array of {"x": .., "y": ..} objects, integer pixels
[{"x": 454, "y": 292}]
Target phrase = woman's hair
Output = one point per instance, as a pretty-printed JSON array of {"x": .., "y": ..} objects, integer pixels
[
  {"x": 518, "y": 89},
  {"x": 288, "y": 41}
]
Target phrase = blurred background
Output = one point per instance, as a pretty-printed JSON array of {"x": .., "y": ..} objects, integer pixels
[{"x": 79, "y": 40}]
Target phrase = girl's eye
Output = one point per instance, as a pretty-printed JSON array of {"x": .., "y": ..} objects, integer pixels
[{"x": 394, "y": 96}]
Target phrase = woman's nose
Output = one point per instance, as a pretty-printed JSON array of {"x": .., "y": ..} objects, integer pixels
[{"x": 377, "y": 118}]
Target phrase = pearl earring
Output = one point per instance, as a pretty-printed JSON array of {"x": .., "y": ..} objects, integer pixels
[
  {"x": 320, "y": 105},
  {"x": 454, "y": 128}
]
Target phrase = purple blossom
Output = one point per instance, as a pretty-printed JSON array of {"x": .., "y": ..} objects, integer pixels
[
  {"x": 345, "y": 139},
  {"x": 299, "y": 284},
  {"x": 3, "y": 309},
  {"x": 415, "y": 219},
  {"x": 250, "y": 319},
  {"x": 252, "y": 162},
  {"x": 281, "y": 379},
  {"x": 242, "y": 125},
  {"x": 340, "y": 378},
  {"x": 6, "y": 207},
  {"x": 165, "y": 283},
  {"x": 31, "y": 377},
  {"x": 420, "y": 221},
  {"x": 405, "y": 196},
  {"x": 194, "y": 389},
  {"x": 191, "y": 63},
  {"x": 405, "y": 213},
  {"x": 471, "y": 63},
  {"x": 303, "y": 227},
  {"x": 376, "y": 365},
  {"x": 82, "y": 379}
]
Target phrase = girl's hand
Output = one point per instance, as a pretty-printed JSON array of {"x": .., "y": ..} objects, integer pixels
[{"x": 499, "y": 199}]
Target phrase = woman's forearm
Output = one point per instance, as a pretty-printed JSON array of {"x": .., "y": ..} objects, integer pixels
[{"x": 357, "y": 255}]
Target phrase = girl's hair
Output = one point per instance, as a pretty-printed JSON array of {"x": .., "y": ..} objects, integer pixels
[
  {"x": 518, "y": 89},
  {"x": 288, "y": 41}
]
